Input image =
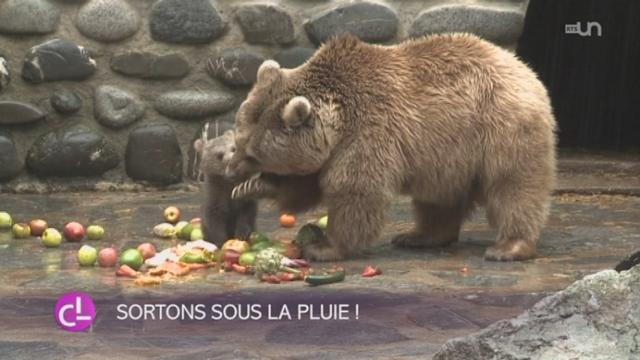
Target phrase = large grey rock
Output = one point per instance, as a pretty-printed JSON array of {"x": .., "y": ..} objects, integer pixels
[
  {"x": 71, "y": 151},
  {"x": 17, "y": 112},
  {"x": 293, "y": 57},
  {"x": 369, "y": 21},
  {"x": 148, "y": 65},
  {"x": 57, "y": 60},
  {"x": 597, "y": 317},
  {"x": 497, "y": 25},
  {"x": 153, "y": 154},
  {"x": 265, "y": 24},
  {"x": 236, "y": 67},
  {"x": 185, "y": 22},
  {"x": 28, "y": 17},
  {"x": 117, "y": 108},
  {"x": 193, "y": 104},
  {"x": 107, "y": 20},
  {"x": 9, "y": 164},
  {"x": 65, "y": 101},
  {"x": 5, "y": 72}
]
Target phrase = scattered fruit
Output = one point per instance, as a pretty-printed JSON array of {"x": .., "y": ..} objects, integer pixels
[
  {"x": 131, "y": 258},
  {"x": 21, "y": 230},
  {"x": 164, "y": 230},
  {"x": 334, "y": 275},
  {"x": 258, "y": 237},
  {"x": 196, "y": 234},
  {"x": 87, "y": 255},
  {"x": 287, "y": 220},
  {"x": 323, "y": 222},
  {"x": 236, "y": 245},
  {"x": 108, "y": 257},
  {"x": 5, "y": 220},
  {"x": 196, "y": 221},
  {"x": 51, "y": 238},
  {"x": 147, "y": 250},
  {"x": 95, "y": 232},
  {"x": 126, "y": 270},
  {"x": 185, "y": 232},
  {"x": 370, "y": 271},
  {"x": 172, "y": 214},
  {"x": 193, "y": 257},
  {"x": 180, "y": 225},
  {"x": 74, "y": 232},
  {"x": 248, "y": 258},
  {"x": 37, "y": 226}
]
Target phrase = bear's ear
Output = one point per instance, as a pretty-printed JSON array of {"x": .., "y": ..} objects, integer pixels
[
  {"x": 268, "y": 70},
  {"x": 297, "y": 111}
]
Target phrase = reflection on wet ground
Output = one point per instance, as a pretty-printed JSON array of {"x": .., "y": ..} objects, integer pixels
[{"x": 422, "y": 299}]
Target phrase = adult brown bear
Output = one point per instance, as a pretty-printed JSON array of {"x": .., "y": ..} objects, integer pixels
[{"x": 451, "y": 120}]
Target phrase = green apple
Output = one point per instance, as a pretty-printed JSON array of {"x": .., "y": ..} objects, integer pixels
[
  {"x": 51, "y": 238},
  {"x": 185, "y": 232},
  {"x": 5, "y": 220},
  {"x": 132, "y": 258},
  {"x": 180, "y": 225},
  {"x": 87, "y": 255},
  {"x": 21, "y": 230},
  {"x": 323, "y": 222},
  {"x": 247, "y": 258},
  {"x": 196, "y": 234},
  {"x": 95, "y": 232}
]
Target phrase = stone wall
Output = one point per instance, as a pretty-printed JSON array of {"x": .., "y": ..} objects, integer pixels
[{"x": 106, "y": 94}]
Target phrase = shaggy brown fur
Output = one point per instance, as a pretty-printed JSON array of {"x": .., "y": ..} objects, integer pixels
[
  {"x": 229, "y": 208},
  {"x": 451, "y": 120},
  {"x": 223, "y": 217}
]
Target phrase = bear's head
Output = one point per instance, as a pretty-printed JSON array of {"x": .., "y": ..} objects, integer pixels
[
  {"x": 282, "y": 127},
  {"x": 215, "y": 154}
]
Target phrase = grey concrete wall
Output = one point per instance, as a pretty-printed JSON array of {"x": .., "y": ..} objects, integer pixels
[{"x": 149, "y": 74}]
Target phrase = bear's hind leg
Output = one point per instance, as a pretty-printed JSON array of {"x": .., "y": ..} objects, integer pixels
[
  {"x": 436, "y": 225},
  {"x": 518, "y": 210}
]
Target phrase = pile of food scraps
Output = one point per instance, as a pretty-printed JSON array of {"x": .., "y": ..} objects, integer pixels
[{"x": 271, "y": 261}]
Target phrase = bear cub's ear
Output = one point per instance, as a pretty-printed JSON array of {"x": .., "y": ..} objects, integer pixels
[
  {"x": 297, "y": 111},
  {"x": 198, "y": 145},
  {"x": 268, "y": 70}
]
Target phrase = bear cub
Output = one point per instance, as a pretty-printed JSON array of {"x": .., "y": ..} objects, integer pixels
[{"x": 229, "y": 207}]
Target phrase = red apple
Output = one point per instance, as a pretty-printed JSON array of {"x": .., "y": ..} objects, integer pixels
[
  {"x": 74, "y": 231},
  {"x": 148, "y": 250},
  {"x": 196, "y": 221},
  {"x": 172, "y": 214},
  {"x": 108, "y": 257},
  {"x": 38, "y": 226}
]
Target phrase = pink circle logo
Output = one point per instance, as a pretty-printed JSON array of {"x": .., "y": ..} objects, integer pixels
[{"x": 75, "y": 311}]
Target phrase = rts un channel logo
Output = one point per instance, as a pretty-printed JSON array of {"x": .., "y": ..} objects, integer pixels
[
  {"x": 75, "y": 311},
  {"x": 577, "y": 29}
]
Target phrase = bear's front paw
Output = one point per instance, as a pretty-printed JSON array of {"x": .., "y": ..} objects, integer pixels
[
  {"x": 416, "y": 240},
  {"x": 322, "y": 253},
  {"x": 511, "y": 251}
]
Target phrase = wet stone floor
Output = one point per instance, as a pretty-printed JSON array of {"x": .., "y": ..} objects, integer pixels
[{"x": 422, "y": 299}]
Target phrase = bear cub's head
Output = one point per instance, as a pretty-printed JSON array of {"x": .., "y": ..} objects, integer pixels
[
  {"x": 215, "y": 154},
  {"x": 281, "y": 128}
]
